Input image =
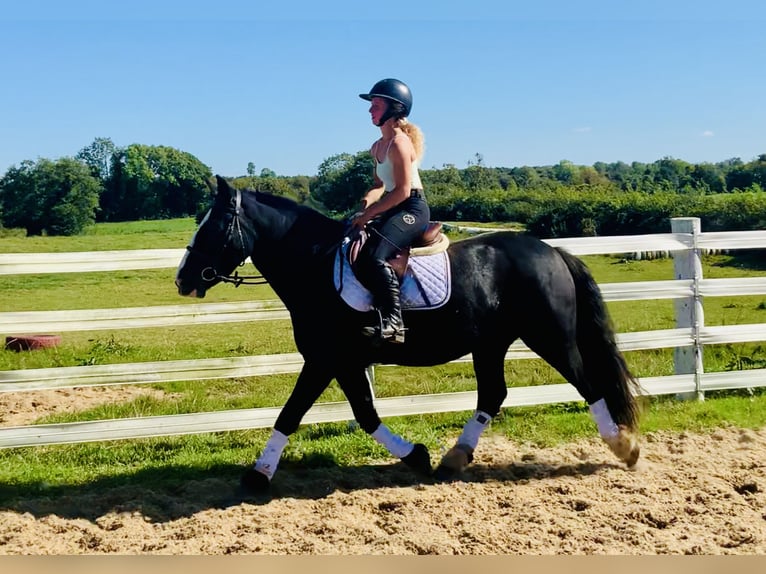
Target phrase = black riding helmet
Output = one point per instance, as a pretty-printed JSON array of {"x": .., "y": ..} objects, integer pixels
[{"x": 398, "y": 95}]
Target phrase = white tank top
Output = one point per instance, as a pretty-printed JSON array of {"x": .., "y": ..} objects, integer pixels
[{"x": 385, "y": 171}]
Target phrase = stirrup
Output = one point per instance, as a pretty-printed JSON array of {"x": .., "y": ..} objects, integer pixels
[
  {"x": 394, "y": 336},
  {"x": 390, "y": 335}
]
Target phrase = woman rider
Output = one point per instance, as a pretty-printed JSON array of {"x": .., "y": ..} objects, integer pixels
[{"x": 395, "y": 206}]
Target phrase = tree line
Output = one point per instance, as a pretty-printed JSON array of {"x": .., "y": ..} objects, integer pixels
[
  {"x": 568, "y": 200},
  {"x": 103, "y": 182}
]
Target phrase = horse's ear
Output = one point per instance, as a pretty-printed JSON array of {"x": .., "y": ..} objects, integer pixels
[
  {"x": 226, "y": 192},
  {"x": 221, "y": 183}
]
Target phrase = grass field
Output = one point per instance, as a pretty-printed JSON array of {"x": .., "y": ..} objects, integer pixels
[{"x": 28, "y": 468}]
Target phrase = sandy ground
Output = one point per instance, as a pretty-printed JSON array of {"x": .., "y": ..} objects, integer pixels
[{"x": 689, "y": 494}]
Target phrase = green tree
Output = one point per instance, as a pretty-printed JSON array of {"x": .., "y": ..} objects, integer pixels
[
  {"x": 98, "y": 156},
  {"x": 154, "y": 182},
  {"x": 300, "y": 186},
  {"x": 476, "y": 177},
  {"x": 526, "y": 177},
  {"x": 566, "y": 172},
  {"x": 758, "y": 167},
  {"x": 57, "y": 198},
  {"x": 739, "y": 178},
  {"x": 671, "y": 174},
  {"x": 342, "y": 180},
  {"x": 273, "y": 184},
  {"x": 442, "y": 182},
  {"x": 708, "y": 177}
]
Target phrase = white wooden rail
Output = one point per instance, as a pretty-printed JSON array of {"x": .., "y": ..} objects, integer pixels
[{"x": 686, "y": 338}]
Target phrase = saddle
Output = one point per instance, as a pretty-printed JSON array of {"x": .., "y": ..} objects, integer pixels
[{"x": 432, "y": 241}]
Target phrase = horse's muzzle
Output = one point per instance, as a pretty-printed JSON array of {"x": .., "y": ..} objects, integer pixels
[{"x": 196, "y": 292}]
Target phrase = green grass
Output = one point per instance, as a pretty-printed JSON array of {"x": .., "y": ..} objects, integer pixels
[
  {"x": 172, "y": 460},
  {"x": 167, "y": 464},
  {"x": 160, "y": 234}
]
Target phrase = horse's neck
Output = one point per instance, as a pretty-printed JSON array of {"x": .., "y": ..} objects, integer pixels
[
  {"x": 294, "y": 260},
  {"x": 296, "y": 226},
  {"x": 297, "y": 278},
  {"x": 294, "y": 245}
]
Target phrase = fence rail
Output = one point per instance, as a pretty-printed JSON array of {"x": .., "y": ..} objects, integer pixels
[
  {"x": 203, "y": 313},
  {"x": 687, "y": 290}
]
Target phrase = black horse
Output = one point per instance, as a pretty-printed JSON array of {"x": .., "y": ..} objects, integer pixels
[{"x": 504, "y": 286}]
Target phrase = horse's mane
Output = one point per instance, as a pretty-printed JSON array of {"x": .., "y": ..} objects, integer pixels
[
  {"x": 307, "y": 217},
  {"x": 279, "y": 202}
]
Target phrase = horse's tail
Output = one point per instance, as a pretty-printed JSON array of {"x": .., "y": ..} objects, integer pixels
[{"x": 604, "y": 365}]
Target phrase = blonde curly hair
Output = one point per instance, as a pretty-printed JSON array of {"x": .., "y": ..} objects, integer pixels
[{"x": 415, "y": 134}]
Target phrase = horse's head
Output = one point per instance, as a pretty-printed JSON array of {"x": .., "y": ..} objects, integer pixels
[{"x": 221, "y": 243}]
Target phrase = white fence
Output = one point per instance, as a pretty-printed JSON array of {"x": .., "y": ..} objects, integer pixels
[{"x": 685, "y": 243}]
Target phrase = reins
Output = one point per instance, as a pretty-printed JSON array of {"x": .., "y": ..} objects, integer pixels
[{"x": 236, "y": 279}]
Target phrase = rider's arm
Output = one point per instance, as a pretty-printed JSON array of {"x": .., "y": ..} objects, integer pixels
[
  {"x": 373, "y": 195},
  {"x": 378, "y": 189}
]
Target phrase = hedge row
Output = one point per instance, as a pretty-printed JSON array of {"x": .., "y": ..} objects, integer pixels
[{"x": 573, "y": 213}]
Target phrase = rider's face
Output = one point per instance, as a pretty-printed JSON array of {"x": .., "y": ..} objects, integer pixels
[{"x": 378, "y": 107}]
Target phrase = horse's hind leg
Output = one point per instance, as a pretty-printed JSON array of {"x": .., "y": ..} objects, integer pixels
[
  {"x": 564, "y": 356},
  {"x": 489, "y": 366},
  {"x": 621, "y": 440},
  {"x": 601, "y": 374}
]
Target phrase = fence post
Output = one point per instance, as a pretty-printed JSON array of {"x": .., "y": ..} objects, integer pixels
[
  {"x": 689, "y": 312},
  {"x": 371, "y": 378}
]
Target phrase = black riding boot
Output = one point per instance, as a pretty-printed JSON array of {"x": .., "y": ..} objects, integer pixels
[{"x": 385, "y": 294}]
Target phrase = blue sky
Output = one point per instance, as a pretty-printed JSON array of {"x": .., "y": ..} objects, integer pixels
[{"x": 233, "y": 82}]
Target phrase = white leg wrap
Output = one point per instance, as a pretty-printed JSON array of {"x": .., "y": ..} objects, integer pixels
[
  {"x": 600, "y": 414},
  {"x": 396, "y": 445},
  {"x": 473, "y": 428},
  {"x": 269, "y": 460}
]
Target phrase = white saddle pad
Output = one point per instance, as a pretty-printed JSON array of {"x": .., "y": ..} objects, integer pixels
[{"x": 426, "y": 283}]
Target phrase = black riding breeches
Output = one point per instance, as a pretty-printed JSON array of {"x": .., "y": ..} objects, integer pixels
[{"x": 395, "y": 230}]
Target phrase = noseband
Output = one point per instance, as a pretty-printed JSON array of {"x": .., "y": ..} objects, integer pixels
[{"x": 210, "y": 273}]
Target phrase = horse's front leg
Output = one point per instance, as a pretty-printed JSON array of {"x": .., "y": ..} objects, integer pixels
[
  {"x": 357, "y": 387},
  {"x": 312, "y": 381}
]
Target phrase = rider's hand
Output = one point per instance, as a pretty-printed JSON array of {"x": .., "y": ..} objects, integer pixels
[{"x": 359, "y": 220}]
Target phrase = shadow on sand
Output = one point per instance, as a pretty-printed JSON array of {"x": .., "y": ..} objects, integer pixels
[{"x": 174, "y": 492}]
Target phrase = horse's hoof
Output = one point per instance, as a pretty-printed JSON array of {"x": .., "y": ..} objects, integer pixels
[
  {"x": 625, "y": 446},
  {"x": 254, "y": 481},
  {"x": 454, "y": 462},
  {"x": 419, "y": 460},
  {"x": 445, "y": 474}
]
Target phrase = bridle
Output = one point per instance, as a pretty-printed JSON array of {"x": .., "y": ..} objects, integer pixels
[
  {"x": 210, "y": 273},
  {"x": 236, "y": 279}
]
